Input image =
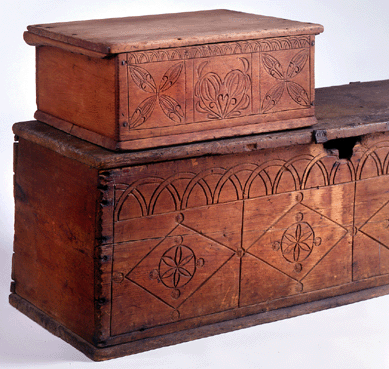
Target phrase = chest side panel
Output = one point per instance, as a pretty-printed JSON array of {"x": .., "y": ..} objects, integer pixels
[
  {"x": 76, "y": 90},
  {"x": 55, "y": 218}
]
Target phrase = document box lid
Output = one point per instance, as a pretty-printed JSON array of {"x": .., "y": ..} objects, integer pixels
[{"x": 119, "y": 35}]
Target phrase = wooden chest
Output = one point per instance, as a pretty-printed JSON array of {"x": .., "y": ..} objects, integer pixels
[
  {"x": 121, "y": 253},
  {"x": 141, "y": 82}
]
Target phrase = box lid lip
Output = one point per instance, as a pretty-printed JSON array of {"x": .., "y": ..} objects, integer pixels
[{"x": 150, "y": 32}]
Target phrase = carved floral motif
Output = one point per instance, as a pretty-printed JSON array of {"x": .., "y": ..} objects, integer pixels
[
  {"x": 223, "y": 98},
  {"x": 177, "y": 266},
  {"x": 274, "y": 68},
  {"x": 297, "y": 242},
  {"x": 145, "y": 81}
]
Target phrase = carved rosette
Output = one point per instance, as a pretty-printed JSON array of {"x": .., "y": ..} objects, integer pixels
[
  {"x": 298, "y": 242},
  {"x": 177, "y": 266}
]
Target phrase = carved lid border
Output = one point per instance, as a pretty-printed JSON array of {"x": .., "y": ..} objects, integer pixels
[{"x": 228, "y": 48}]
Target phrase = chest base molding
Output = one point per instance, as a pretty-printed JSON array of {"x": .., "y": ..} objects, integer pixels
[{"x": 130, "y": 348}]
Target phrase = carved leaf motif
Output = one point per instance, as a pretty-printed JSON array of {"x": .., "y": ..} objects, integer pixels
[
  {"x": 184, "y": 272},
  {"x": 273, "y": 96},
  {"x": 176, "y": 278},
  {"x": 296, "y": 252},
  {"x": 236, "y": 83},
  {"x": 208, "y": 87},
  {"x": 239, "y": 106},
  {"x": 186, "y": 260},
  {"x": 223, "y": 99},
  {"x": 143, "y": 112},
  {"x": 170, "y": 77},
  {"x": 142, "y": 78},
  {"x": 201, "y": 67},
  {"x": 168, "y": 274},
  {"x": 297, "y": 64},
  {"x": 273, "y": 66},
  {"x": 171, "y": 108},
  {"x": 298, "y": 93},
  {"x": 178, "y": 256},
  {"x": 169, "y": 261}
]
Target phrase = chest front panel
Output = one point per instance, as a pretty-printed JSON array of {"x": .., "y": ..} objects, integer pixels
[
  {"x": 217, "y": 237},
  {"x": 207, "y": 87}
]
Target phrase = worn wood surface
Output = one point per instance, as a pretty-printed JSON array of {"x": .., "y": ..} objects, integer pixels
[
  {"x": 53, "y": 261},
  {"x": 204, "y": 214},
  {"x": 118, "y": 35},
  {"x": 351, "y": 110},
  {"x": 77, "y": 89},
  {"x": 191, "y": 242},
  {"x": 136, "y": 101},
  {"x": 153, "y": 92},
  {"x": 122, "y": 349},
  {"x": 174, "y": 243}
]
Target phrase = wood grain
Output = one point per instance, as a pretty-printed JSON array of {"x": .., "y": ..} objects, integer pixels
[
  {"x": 362, "y": 122},
  {"x": 169, "y": 244},
  {"x": 77, "y": 89},
  {"x": 53, "y": 263},
  {"x": 118, "y": 35},
  {"x": 245, "y": 74},
  {"x": 130, "y": 348}
]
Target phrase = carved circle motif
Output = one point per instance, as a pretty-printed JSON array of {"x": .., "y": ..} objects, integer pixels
[
  {"x": 298, "y": 267},
  {"x": 200, "y": 262},
  {"x": 299, "y": 217},
  {"x": 154, "y": 274},
  {"x": 175, "y": 315},
  {"x": 117, "y": 277},
  {"x": 180, "y": 218},
  {"x": 177, "y": 267},
  {"x": 297, "y": 242},
  {"x": 176, "y": 294},
  {"x": 240, "y": 253}
]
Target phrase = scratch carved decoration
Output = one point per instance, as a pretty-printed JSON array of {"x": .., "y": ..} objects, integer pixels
[
  {"x": 145, "y": 81},
  {"x": 223, "y": 98},
  {"x": 297, "y": 242},
  {"x": 176, "y": 268},
  {"x": 274, "y": 68},
  {"x": 227, "y": 48},
  {"x": 245, "y": 232}
]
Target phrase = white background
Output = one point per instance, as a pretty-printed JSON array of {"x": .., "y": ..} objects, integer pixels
[{"x": 353, "y": 47}]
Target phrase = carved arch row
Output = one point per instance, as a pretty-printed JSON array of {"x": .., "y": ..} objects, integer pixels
[
  {"x": 270, "y": 175},
  {"x": 244, "y": 189},
  {"x": 381, "y": 163},
  {"x": 231, "y": 48}
]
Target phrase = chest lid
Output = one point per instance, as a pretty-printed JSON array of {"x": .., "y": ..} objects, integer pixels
[{"x": 119, "y": 35}]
